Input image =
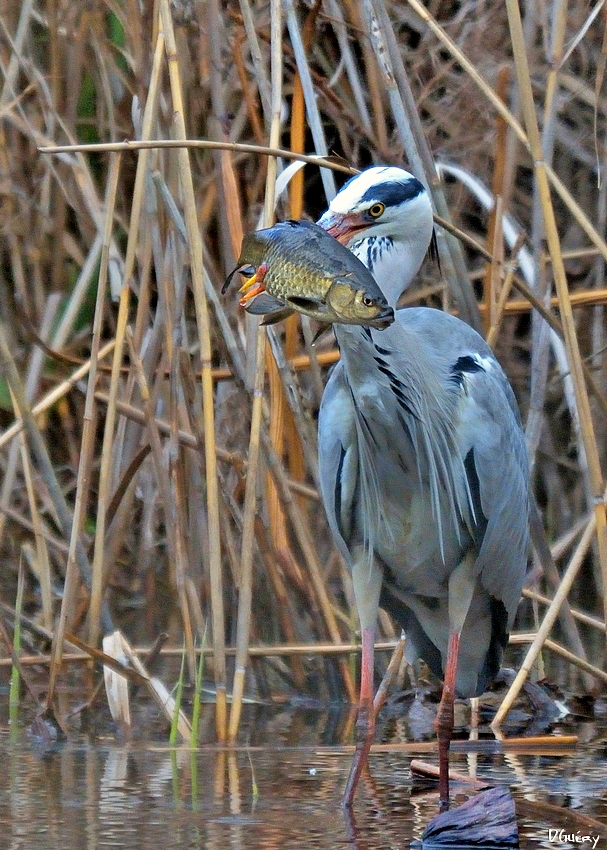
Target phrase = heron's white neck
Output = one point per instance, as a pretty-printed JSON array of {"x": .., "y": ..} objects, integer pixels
[{"x": 394, "y": 262}]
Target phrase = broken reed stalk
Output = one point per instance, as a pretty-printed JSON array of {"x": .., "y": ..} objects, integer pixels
[
  {"x": 204, "y": 339},
  {"x": 574, "y": 358},
  {"x": 257, "y": 651},
  {"x": 250, "y": 503},
  {"x": 393, "y": 668}
]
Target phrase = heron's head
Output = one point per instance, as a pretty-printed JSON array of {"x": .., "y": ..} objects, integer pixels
[{"x": 384, "y": 216}]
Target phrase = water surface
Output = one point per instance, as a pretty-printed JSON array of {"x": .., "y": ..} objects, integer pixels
[{"x": 90, "y": 793}]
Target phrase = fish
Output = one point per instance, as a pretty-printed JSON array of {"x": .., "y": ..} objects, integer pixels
[{"x": 298, "y": 266}]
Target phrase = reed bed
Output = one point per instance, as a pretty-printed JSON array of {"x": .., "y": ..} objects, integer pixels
[{"x": 157, "y": 452}]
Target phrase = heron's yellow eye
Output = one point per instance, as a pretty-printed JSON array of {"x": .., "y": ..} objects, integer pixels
[{"x": 376, "y": 210}]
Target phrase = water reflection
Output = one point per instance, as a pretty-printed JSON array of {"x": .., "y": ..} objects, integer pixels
[{"x": 84, "y": 796}]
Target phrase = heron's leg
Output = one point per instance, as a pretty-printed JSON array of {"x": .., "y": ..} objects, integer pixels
[
  {"x": 366, "y": 579},
  {"x": 444, "y": 721},
  {"x": 461, "y": 590},
  {"x": 365, "y": 723}
]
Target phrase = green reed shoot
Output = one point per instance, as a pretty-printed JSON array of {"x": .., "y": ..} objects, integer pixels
[{"x": 198, "y": 693}]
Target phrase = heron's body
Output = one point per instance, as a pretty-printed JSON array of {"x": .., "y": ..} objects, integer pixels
[
  {"x": 423, "y": 465},
  {"x": 413, "y": 472}
]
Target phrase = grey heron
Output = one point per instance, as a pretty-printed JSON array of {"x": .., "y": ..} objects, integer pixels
[{"x": 423, "y": 466}]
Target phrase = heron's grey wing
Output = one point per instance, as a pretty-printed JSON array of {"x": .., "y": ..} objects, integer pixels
[
  {"x": 449, "y": 335},
  {"x": 493, "y": 446},
  {"x": 338, "y": 458}
]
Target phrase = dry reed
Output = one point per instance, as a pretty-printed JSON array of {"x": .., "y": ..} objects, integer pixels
[{"x": 184, "y": 482}]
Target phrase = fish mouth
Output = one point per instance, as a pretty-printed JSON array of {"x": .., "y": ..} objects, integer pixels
[
  {"x": 384, "y": 320},
  {"x": 342, "y": 227}
]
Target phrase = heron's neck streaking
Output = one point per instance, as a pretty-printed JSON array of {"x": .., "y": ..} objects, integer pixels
[
  {"x": 395, "y": 373},
  {"x": 393, "y": 262}
]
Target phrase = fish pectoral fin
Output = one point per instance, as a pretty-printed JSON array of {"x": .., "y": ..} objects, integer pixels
[
  {"x": 300, "y": 303},
  {"x": 264, "y": 303}
]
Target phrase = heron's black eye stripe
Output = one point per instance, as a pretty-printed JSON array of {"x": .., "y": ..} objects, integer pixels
[{"x": 393, "y": 192}]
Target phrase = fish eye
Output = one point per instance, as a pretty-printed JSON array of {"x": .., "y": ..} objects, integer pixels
[
  {"x": 368, "y": 301},
  {"x": 377, "y": 209}
]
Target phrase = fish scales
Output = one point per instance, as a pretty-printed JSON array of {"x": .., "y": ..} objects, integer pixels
[{"x": 300, "y": 267}]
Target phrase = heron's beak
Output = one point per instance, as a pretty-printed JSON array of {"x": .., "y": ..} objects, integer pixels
[{"x": 342, "y": 227}]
